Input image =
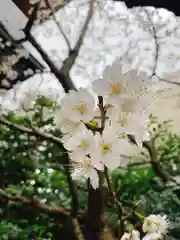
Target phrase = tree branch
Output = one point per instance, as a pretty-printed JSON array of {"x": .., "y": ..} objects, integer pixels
[
  {"x": 36, "y": 203},
  {"x": 69, "y": 62},
  {"x": 158, "y": 169},
  {"x": 164, "y": 175},
  {"x": 95, "y": 213},
  {"x": 115, "y": 202},
  {"x": 155, "y": 42},
  {"x": 112, "y": 193},
  {"x": 58, "y": 24},
  {"x": 63, "y": 75},
  {"x": 35, "y": 132},
  {"x": 32, "y": 17},
  {"x": 63, "y": 78}
]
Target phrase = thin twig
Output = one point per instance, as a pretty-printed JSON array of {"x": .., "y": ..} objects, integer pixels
[
  {"x": 63, "y": 74},
  {"x": 32, "y": 17},
  {"x": 155, "y": 42},
  {"x": 85, "y": 26},
  {"x": 69, "y": 62},
  {"x": 103, "y": 113},
  {"x": 115, "y": 202},
  {"x": 58, "y": 24},
  {"x": 157, "y": 49},
  {"x": 111, "y": 191}
]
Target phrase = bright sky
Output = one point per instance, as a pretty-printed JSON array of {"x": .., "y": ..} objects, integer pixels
[{"x": 111, "y": 31}]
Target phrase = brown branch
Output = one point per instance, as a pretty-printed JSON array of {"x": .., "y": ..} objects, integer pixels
[
  {"x": 112, "y": 193},
  {"x": 24, "y": 6},
  {"x": 63, "y": 77},
  {"x": 36, "y": 203},
  {"x": 163, "y": 174},
  {"x": 95, "y": 214},
  {"x": 117, "y": 205},
  {"x": 85, "y": 26},
  {"x": 32, "y": 17},
  {"x": 69, "y": 62},
  {"x": 138, "y": 164},
  {"x": 35, "y": 132},
  {"x": 123, "y": 213},
  {"x": 158, "y": 169},
  {"x": 103, "y": 113},
  {"x": 155, "y": 42},
  {"x": 58, "y": 24}
]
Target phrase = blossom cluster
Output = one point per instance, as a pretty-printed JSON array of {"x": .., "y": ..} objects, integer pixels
[
  {"x": 96, "y": 126},
  {"x": 154, "y": 226}
]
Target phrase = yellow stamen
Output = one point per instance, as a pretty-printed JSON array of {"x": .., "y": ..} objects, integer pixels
[
  {"x": 106, "y": 148},
  {"x": 84, "y": 144},
  {"x": 149, "y": 222},
  {"x": 122, "y": 135},
  {"x": 81, "y": 108},
  {"x": 115, "y": 88}
]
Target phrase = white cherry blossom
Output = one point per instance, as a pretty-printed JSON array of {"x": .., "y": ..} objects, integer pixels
[
  {"x": 84, "y": 167},
  {"x": 156, "y": 224},
  {"x": 81, "y": 142},
  {"x": 66, "y": 126},
  {"x": 110, "y": 86},
  {"x": 136, "y": 84},
  {"x": 78, "y": 105},
  {"x": 134, "y": 235},
  {"x": 129, "y": 61},
  {"x": 126, "y": 236},
  {"x": 109, "y": 147},
  {"x": 152, "y": 236},
  {"x": 27, "y": 100},
  {"x": 129, "y": 119},
  {"x": 117, "y": 85}
]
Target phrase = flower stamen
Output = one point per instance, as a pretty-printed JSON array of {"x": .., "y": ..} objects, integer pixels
[
  {"x": 115, "y": 88},
  {"x": 106, "y": 148},
  {"x": 80, "y": 107},
  {"x": 84, "y": 144}
]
